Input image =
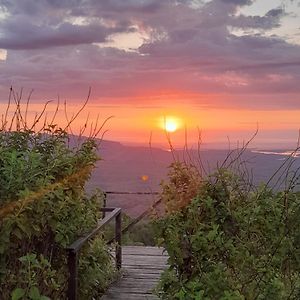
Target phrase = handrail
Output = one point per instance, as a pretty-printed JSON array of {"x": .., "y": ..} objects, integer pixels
[
  {"x": 141, "y": 216},
  {"x": 73, "y": 249},
  {"x": 138, "y": 219}
]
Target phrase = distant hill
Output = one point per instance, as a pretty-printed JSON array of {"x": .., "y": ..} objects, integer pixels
[
  {"x": 140, "y": 169},
  {"x": 123, "y": 168}
]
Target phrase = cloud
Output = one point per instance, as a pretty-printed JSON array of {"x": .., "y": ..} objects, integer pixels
[
  {"x": 3, "y": 54},
  {"x": 19, "y": 36},
  {"x": 29, "y": 27},
  {"x": 186, "y": 50},
  {"x": 276, "y": 13},
  {"x": 238, "y": 2},
  {"x": 269, "y": 21},
  {"x": 132, "y": 6}
]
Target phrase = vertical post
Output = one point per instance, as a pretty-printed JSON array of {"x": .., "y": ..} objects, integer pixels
[
  {"x": 118, "y": 235},
  {"x": 73, "y": 275},
  {"x": 104, "y": 204}
]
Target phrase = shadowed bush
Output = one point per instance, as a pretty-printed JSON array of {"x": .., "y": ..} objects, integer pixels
[
  {"x": 227, "y": 239},
  {"x": 43, "y": 208}
]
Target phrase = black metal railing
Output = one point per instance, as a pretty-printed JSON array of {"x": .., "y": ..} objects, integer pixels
[{"x": 73, "y": 250}]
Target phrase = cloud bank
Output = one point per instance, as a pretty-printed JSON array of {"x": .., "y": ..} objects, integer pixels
[{"x": 187, "y": 48}]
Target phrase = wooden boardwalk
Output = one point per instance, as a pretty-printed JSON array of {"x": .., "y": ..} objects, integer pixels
[{"x": 141, "y": 269}]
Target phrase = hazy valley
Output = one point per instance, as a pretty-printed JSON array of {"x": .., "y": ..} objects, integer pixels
[{"x": 121, "y": 169}]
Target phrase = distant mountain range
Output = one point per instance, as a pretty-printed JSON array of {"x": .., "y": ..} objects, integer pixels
[{"x": 141, "y": 169}]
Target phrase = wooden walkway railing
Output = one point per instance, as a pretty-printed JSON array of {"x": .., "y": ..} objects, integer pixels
[
  {"x": 142, "y": 265},
  {"x": 73, "y": 250}
]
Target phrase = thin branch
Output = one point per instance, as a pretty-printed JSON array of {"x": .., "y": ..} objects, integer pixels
[
  {"x": 56, "y": 111},
  {"x": 40, "y": 115},
  {"x": 102, "y": 125},
  {"x": 7, "y": 108},
  {"x": 80, "y": 110},
  {"x": 27, "y": 106}
]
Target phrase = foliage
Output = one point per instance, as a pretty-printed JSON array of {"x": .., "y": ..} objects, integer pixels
[
  {"x": 228, "y": 241},
  {"x": 141, "y": 233},
  {"x": 96, "y": 270},
  {"x": 43, "y": 208},
  {"x": 33, "y": 270}
]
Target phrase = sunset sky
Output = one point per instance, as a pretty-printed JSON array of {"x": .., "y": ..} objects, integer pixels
[{"x": 223, "y": 66}]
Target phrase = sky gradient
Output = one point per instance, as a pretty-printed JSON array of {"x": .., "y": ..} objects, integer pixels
[{"x": 223, "y": 66}]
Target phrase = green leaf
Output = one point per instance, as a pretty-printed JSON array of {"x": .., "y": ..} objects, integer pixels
[
  {"x": 17, "y": 294},
  {"x": 34, "y": 293},
  {"x": 17, "y": 233}
]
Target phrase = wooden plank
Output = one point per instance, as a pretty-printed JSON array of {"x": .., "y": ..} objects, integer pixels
[
  {"x": 145, "y": 285},
  {"x": 141, "y": 268},
  {"x": 144, "y": 290},
  {"x": 133, "y": 271},
  {"x": 145, "y": 263},
  {"x": 143, "y": 276},
  {"x": 137, "y": 281},
  {"x": 134, "y": 281},
  {"x": 146, "y": 267},
  {"x": 128, "y": 296},
  {"x": 142, "y": 255},
  {"x": 141, "y": 250},
  {"x": 153, "y": 258},
  {"x": 75, "y": 246}
]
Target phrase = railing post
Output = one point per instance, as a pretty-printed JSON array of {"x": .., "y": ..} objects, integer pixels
[
  {"x": 73, "y": 275},
  {"x": 104, "y": 205},
  {"x": 74, "y": 248},
  {"x": 118, "y": 234}
]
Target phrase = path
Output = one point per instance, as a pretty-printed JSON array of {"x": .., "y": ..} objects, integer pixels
[{"x": 141, "y": 268}]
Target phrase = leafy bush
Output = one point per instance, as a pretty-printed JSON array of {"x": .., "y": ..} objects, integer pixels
[
  {"x": 141, "y": 234},
  {"x": 96, "y": 270},
  {"x": 227, "y": 241},
  {"x": 43, "y": 208}
]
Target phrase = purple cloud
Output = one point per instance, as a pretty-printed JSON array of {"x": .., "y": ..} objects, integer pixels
[
  {"x": 238, "y": 2},
  {"x": 270, "y": 20},
  {"x": 30, "y": 36},
  {"x": 53, "y": 47}
]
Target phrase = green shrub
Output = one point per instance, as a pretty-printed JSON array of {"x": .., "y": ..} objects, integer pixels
[
  {"x": 43, "y": 208},
  {"x": 228, "y": 241},
  {"x": 96, "y": 270},
  {"x": 141, "y": 234},
  {"x": 33, "y": 274}
]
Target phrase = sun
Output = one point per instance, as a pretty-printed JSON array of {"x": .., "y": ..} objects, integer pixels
[{"x": 171, "y": 124}]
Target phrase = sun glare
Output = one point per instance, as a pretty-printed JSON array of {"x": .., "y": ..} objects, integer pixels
[{"x": 171, "y": 124}]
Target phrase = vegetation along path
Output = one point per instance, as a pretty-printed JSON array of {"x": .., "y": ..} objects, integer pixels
[{"x": 141, "y": 269}]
